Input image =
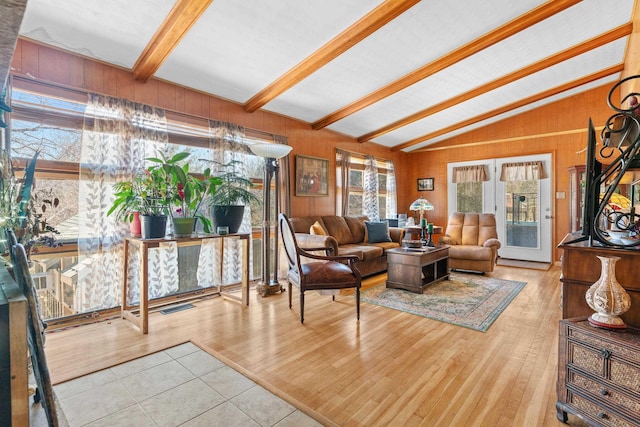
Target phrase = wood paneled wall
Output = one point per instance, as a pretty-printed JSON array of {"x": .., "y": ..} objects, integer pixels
[
  {"x": 52, "y": 65},
  {"x": 558, "y": 128}
]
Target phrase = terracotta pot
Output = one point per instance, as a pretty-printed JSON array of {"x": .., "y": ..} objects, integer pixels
[{"x": 134, "y": 226}]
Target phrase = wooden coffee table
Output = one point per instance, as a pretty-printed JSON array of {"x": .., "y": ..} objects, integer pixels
[{"x": 413, "y": 270}]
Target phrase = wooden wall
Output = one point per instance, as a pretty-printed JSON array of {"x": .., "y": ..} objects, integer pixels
[
  {"x": 73, "y": 71},
  {"x": 558, "y": 128}
]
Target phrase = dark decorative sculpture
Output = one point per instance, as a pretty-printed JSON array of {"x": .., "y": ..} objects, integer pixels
[{"x": 620, "y": 150}]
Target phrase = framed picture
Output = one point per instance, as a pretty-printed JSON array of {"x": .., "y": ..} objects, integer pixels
[
  {"x": 425, "y": 184},
  {"x": 312, "y": 176}
]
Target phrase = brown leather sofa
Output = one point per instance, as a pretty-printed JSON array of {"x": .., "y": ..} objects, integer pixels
[
  {"x": 473, "y": 241},
  {"x": 345, "y": 235}
]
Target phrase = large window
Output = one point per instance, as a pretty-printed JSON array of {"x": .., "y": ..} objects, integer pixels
[
  {"x": 48, "y": 121},
  {"x": 361, "y": 189}
]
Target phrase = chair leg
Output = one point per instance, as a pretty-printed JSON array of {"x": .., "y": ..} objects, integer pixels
[
  {"x": 301, "y": 307},
  {"x": 358, "y": 303},
  {"x": 333, "y": 297},
  {"x": 289, "y": 283}
]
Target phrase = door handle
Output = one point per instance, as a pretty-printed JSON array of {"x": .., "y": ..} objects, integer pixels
[{"x": 548, "y": 217}]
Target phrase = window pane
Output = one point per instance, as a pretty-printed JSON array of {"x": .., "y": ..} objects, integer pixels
[
  {"x": 382, "y": 184},
  {"x": 355, "y": 204},
  {"x": 469, "y": 197},
  {"x": 355, "y": 178},
  {"x": 382, "y": 206},
  {"x": 522, "y": 213}
]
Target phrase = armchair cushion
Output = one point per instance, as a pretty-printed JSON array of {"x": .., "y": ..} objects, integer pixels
[{"x": 473, "y": 241}]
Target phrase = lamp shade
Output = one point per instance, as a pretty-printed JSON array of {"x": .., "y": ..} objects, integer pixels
[
  {"x": 270, "y": 151},
  {"x": 421, "y": 204}
]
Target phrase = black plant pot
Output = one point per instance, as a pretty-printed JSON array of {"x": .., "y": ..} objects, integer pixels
[
  {"x": 153, "y": 226},
  {"x": 229, "y": 216}
]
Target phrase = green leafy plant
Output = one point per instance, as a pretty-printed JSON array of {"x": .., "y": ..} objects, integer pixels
[
  {"x": 234, "y": 187},
  {"x": 166, "y": 187},
  {"x": 23, "y": 210}
]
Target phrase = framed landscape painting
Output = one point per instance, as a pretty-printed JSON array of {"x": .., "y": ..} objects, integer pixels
[
  {"x": 425, "y": 184},
  {"x": 312, "y": 176}
]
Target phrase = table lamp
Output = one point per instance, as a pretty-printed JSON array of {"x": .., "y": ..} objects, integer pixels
[
  {"x": 422, "y": 204},
  {"x": 270, "y": 153}
]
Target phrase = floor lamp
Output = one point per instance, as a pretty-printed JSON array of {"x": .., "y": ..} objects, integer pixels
[{"x": 271, "y": 154}]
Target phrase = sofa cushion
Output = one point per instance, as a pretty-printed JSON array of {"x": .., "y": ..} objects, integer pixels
[
  {"x": 385, "y": 245},
  {"x": 377, "y": 231},
  {"x": 364, "y": 252},
  {"x": 356, "y": 225},
  {"x": 317, "y": 229},
  {"x": 337, "y": 227},
  {"x": 302, "y": 224}
]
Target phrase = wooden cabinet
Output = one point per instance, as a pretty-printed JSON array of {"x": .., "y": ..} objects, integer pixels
[
  {"x": 598, "y": 374},
  {"x": 415, "y": 270},
  {"x": 581, "y": 268},
  {"x": 576, "y": 196},
  {"x": 14, "y": 396}
]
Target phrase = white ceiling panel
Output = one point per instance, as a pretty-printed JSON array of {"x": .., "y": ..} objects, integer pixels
[
  {"x": 565, "y": 72},
  {"x": 114, "y": 31},
  {"x": 238, "y": 48},
  {"x": 419, "y": 36}
]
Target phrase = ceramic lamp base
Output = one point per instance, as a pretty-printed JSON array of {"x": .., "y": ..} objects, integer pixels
[{"x": 609, "y": 322}]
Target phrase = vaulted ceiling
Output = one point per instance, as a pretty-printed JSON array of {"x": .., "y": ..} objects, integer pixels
[{"x": 400, "y": 73}]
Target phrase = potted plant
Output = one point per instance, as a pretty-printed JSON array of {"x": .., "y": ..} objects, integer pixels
[
  {"x": 148, "y": 194},
  {"x": 231, "y": 196},
  {"x": 188, "y": 194}
]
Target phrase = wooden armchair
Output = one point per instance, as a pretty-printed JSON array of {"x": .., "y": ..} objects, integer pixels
[
  {"x": 473, "y": 241},
  {"x": 324, "y": 272}
]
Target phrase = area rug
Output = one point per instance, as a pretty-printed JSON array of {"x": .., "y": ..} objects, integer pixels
[{"x": 473, "y": 302}]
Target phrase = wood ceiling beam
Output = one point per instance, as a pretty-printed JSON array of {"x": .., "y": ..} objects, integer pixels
[
  {"x": 579, "y": 49},
  {"x": 364, "y": 27},
  {"x": 501, "y": 33},
  {"x": 521, "y": 103},
  {"x": 175, "y": 26}
]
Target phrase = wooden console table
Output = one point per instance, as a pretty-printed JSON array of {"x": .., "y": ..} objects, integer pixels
[
  {"x": 413, "y": 270},
  {"x": 144, "y": 245}
]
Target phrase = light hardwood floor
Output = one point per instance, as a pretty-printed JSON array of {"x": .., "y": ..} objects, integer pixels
[{"x": 391, "y": 368}]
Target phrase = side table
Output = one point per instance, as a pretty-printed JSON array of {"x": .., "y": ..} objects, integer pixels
[
  {"x": 414, "y": 269},
  {"x": 143, "y": 245}
]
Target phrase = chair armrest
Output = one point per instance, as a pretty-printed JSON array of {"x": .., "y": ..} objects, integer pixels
[
  {"x": 339, "y": 258},
  {"x": 492, "y": 242},
  {"x": 445, "y": 240},
  {"x": 396, "y": 234},
  {"x": 315, "y": 242}
]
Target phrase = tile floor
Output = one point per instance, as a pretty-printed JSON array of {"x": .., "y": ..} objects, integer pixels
[{"x": 180, "y": 386}]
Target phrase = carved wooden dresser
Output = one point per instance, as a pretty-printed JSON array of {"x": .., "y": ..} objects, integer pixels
[{"x": 598, "y": 374}]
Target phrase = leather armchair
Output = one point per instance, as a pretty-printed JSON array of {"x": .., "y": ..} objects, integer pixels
[{"x": 473, "y": 241}]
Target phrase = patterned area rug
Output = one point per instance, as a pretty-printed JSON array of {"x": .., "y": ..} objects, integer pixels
[{"x": 473, "y": 302}]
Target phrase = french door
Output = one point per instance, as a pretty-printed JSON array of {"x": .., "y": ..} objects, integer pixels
[{"x": 522, "y": 206}]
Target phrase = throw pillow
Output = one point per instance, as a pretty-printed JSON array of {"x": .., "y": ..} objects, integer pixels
[
  {"x": 317, "y": 229},
  {"x": 377, "y": 232}
]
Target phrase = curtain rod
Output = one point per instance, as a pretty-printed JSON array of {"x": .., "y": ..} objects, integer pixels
[
  {"x": 361, "y": 154},
  {"x": 84, "y": 92}
]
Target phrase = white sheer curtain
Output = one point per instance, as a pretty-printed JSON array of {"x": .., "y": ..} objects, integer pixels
[
  {"x": 392, "y": 202},
  {"x": 343, "y": 165},
  {"x": 370, "y": 189},
  {"x": 117, "y": 136},
  {"x": 226, "y": 142}
]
